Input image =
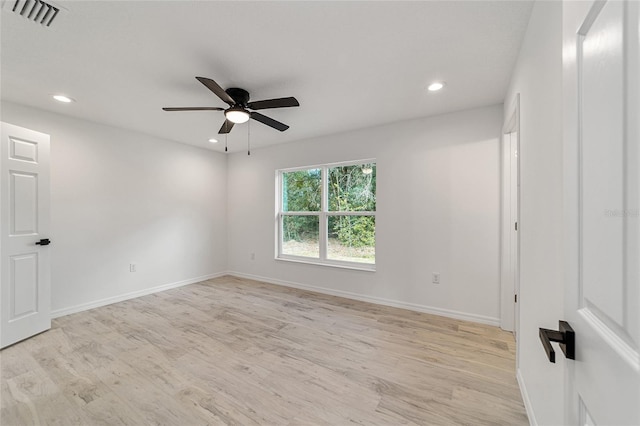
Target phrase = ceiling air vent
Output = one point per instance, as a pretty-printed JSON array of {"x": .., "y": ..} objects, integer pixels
[{"x": 38, "y": 11}]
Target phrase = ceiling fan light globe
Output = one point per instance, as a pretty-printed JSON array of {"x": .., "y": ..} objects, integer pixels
[{"x": 237, "y": 116}]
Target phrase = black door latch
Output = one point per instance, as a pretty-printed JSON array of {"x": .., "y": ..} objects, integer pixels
[
  {"x": 43, "y": 242},
  {"x": 565, "y": 336}
]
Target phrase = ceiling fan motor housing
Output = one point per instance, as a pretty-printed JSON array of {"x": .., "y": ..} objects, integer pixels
[{"x": 241, "y": 96}]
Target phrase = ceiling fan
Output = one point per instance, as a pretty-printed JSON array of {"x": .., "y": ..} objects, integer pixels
[{"x": 239, "y": 106}]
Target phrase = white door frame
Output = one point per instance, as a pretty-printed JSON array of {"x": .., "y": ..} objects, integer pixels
[{"x": 510, "y": 279}]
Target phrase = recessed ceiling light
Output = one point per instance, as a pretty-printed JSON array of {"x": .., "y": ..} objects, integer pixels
[
  {"x": 213, "y": 140},
  {"x": 435, "y": 86},
  {"x": 63, "y": 98}
]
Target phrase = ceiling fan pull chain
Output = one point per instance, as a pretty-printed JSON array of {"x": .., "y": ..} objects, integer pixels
[
  {"x": 249, "y": 138},
  {"x": 225, "y": 142}
]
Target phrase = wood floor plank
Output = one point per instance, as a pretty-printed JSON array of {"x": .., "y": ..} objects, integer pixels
[{"x": 234, "y": 351}]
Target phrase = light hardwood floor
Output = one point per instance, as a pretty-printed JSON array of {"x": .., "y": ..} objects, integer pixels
[{"x": 234, "y": 351}]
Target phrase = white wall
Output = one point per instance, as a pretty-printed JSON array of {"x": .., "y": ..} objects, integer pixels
[
  {"x": 119, "y": 197},
  {"x": 438, "y": 210},
  {"x": 538, "y": 78}
]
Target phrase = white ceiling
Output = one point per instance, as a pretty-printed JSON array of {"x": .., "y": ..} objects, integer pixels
[{"x": 350, "y": 64}]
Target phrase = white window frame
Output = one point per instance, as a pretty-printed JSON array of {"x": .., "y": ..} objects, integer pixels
[{"x": 323, "y": 214}]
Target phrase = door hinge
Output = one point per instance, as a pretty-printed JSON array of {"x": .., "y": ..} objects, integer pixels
[
  {"x": 516, "y": 226},
  {"x": 515, "y": 298}
]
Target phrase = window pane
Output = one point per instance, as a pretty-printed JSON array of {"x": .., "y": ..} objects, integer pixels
[
  {"x": 301, "y": 191},
  {"x": 352, "y": 238},
  {"x": 352, "y": 188},
  {"x": 300, "y": 236}
]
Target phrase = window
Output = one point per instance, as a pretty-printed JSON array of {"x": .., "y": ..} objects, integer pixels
[{"x": 327, "y": 214}]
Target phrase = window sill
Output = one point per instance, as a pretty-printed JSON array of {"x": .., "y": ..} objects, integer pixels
[{"x": 366, "y": 267}]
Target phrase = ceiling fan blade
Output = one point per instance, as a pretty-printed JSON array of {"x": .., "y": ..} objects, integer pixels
[
  {"x": 269, "y": 121},
  {"x": 215, "y": 88},
  {"x": 194, "y": 109},
  {"x": 226, "y": 127},
  {"x": 274, "y": 103}
]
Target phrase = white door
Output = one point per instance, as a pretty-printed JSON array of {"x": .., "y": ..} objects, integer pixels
[
  {"x": 509, "y": 310},
  {"x": 24, "y": 222},
  {"x": 601, "y": 131},
  {"x": 515, "y": 245}
]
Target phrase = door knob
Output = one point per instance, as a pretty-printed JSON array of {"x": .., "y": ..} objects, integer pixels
[
  {"x": 43, "y": 242},
  {"x": 565, "y": 336}
]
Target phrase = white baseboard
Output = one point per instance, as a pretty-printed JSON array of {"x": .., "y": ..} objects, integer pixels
[
  {"x": 526, "y": 400},
  {"x": 364, "y": 298},
  {"x": 132, "y": 295},
  {"x": 377, "y": 300}
]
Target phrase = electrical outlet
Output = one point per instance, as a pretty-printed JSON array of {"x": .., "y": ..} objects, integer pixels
[
  {"x": 132, "y": 267},
  {"x": 435, "y": 277}
]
